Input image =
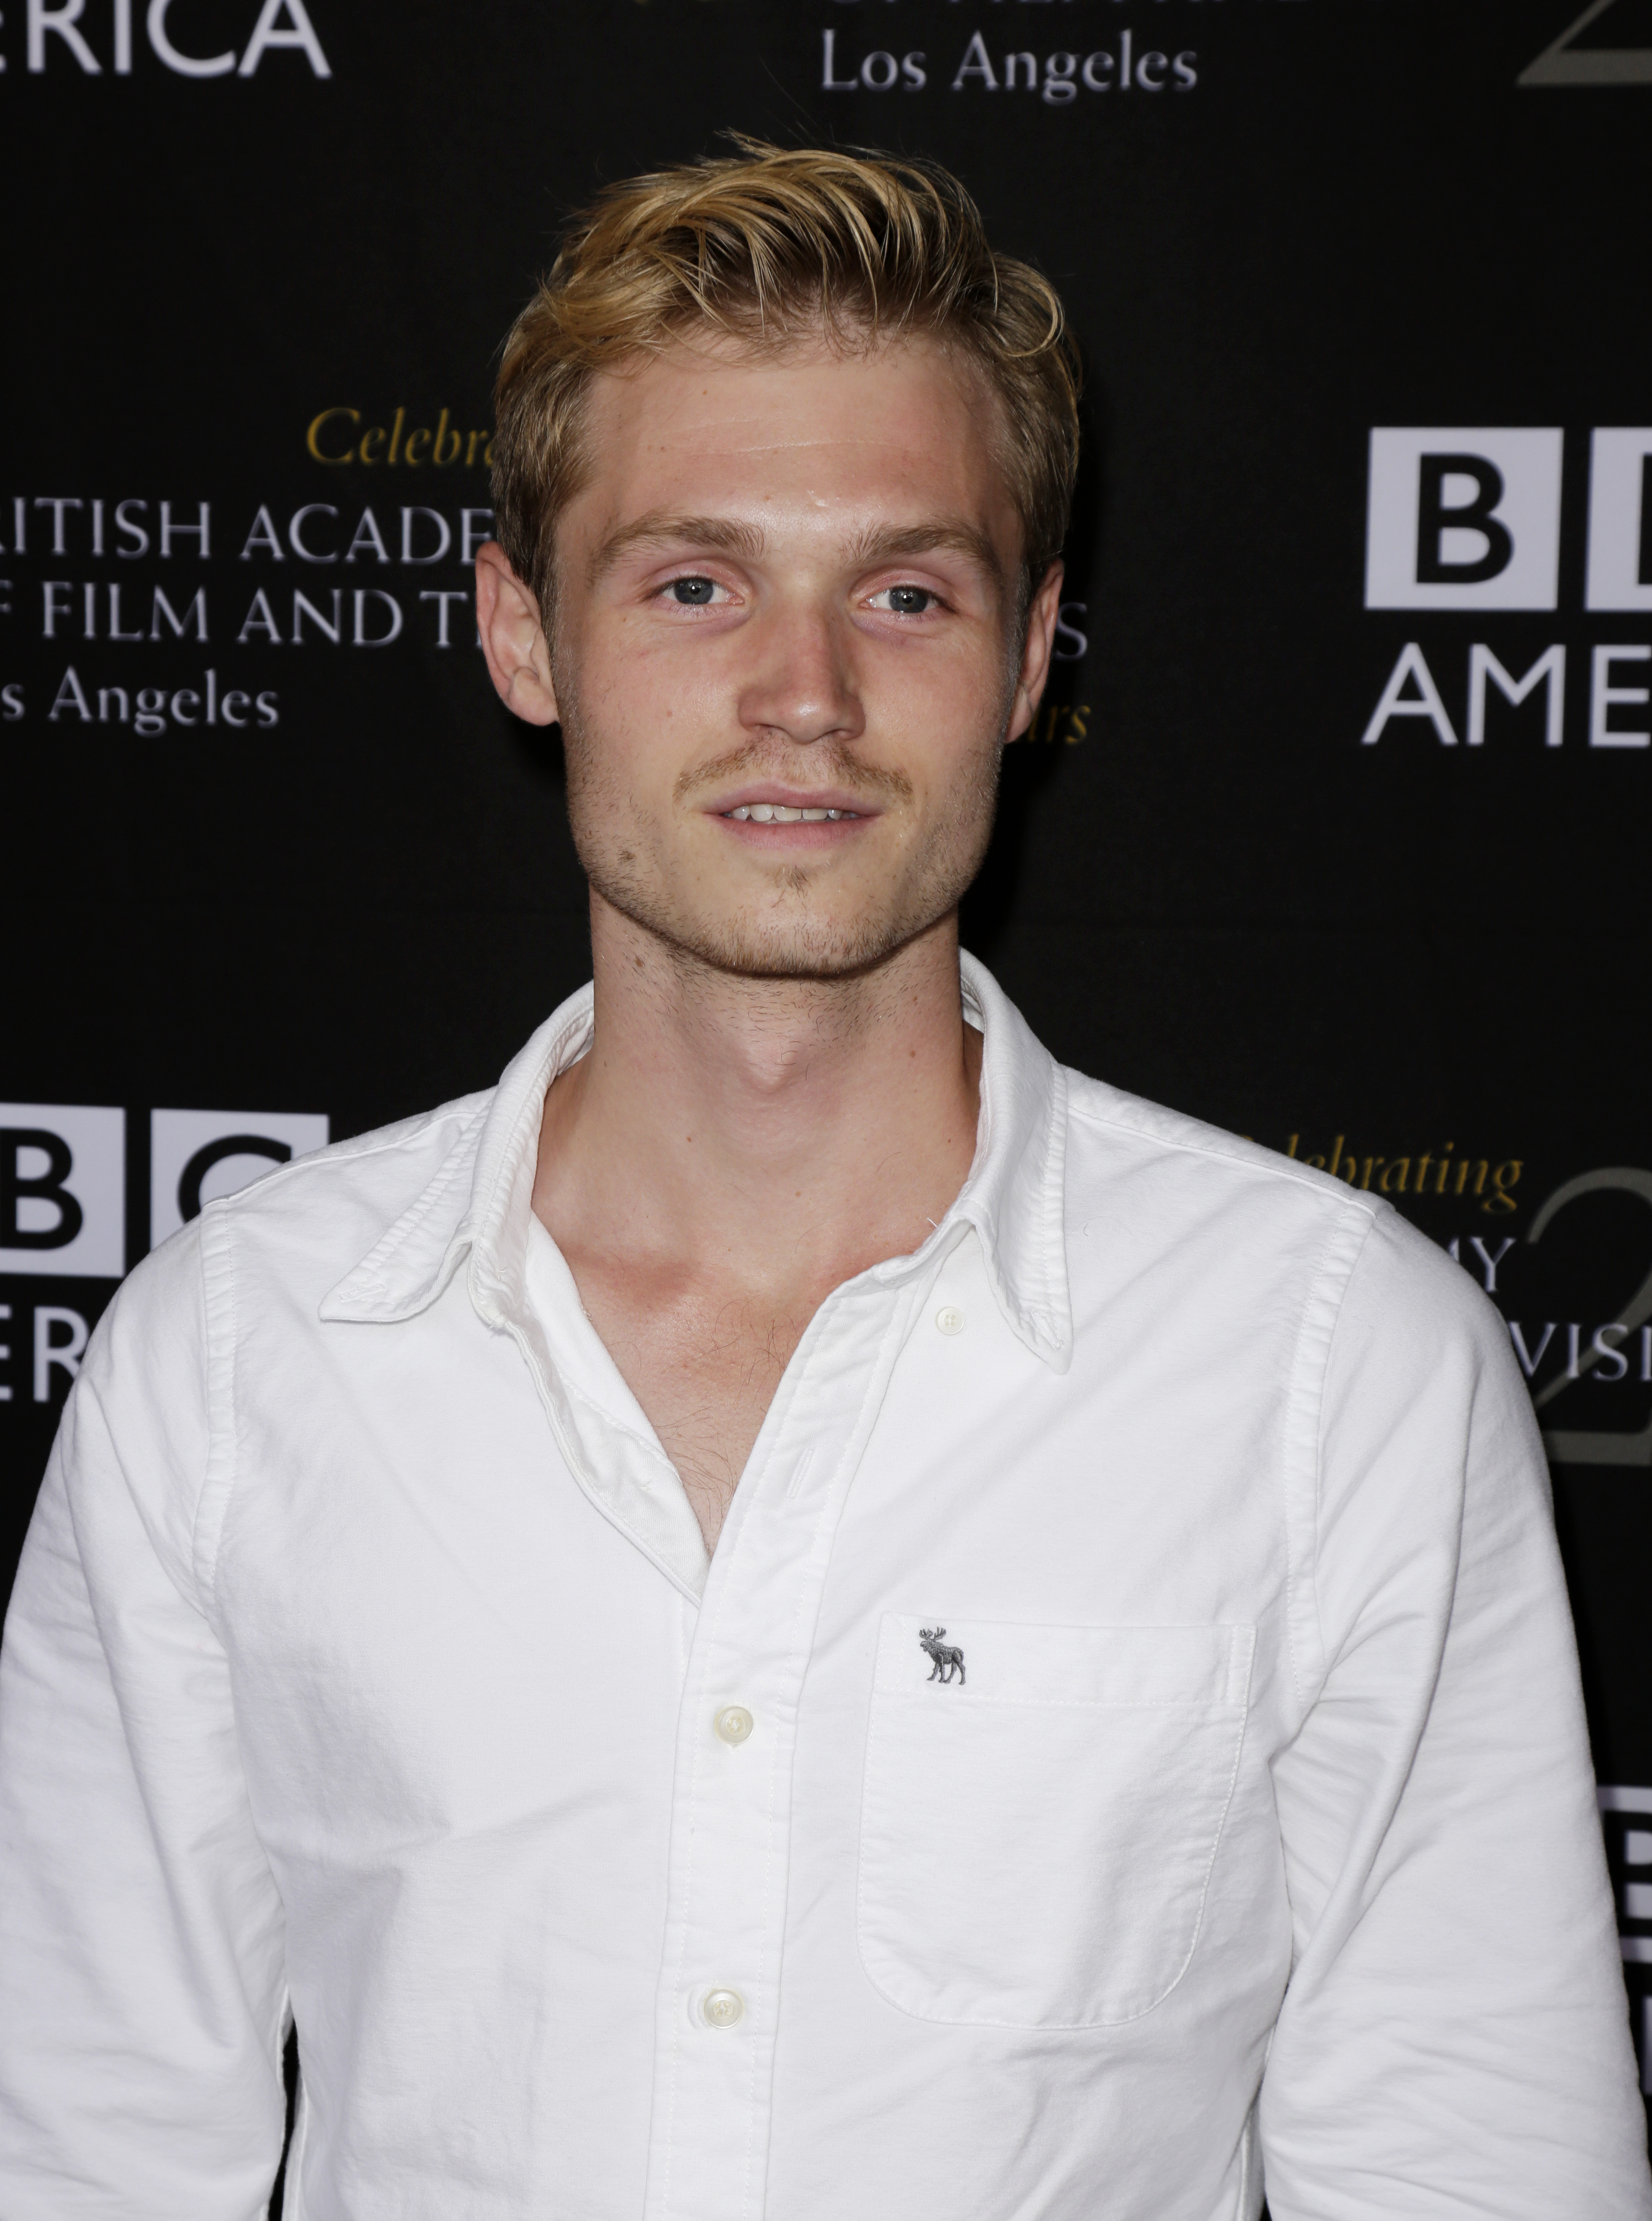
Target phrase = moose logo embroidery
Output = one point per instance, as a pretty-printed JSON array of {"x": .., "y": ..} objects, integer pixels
[{"x": 948, "y": 1657}]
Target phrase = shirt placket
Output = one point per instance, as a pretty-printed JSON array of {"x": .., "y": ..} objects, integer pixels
[{"x": 720, "y": 1977}]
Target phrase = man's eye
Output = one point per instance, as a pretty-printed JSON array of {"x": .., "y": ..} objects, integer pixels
[
  {"x": 906, "y": 601},
  {"x": 692, "y": 593}
]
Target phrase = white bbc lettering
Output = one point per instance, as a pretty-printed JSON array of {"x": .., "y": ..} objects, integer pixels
[
  {"x": 62, "y": 22},
  {"x": 176, "y": 60},
  {"x": 1564, "y": 63},
  {"x": 196, "y": 1157},
  {"x": 1620, "y": 519},
  {"x": 59, "y": 1335},
  {"x": 283, "y": 23},
  {"x": 1549, "y": 671},
  {"x": 52, "y": 1349},
  {"x": 1622, "y": 1804},
  {"x": 62, "y": 1190},
  {"x": 1411, "y": 691},
  {"x": 279, "y": 23},
  {"x": 1463, "y": 519},
  {"x": 1411, "y": 671},
  {"x": 1604, "y": 696}
]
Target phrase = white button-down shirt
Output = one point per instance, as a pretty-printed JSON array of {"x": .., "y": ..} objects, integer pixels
[{"x": 1127, "y": 1740}]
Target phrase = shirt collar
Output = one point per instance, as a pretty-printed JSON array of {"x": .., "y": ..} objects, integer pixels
[
  {"x": 476, "y": 1207},
  {"x": 1015, "y": 1194}
]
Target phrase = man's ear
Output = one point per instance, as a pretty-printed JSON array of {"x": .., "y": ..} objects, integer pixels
[
  {"x": 513, "y": 639},
  {"x": 1036, "y": 651}
]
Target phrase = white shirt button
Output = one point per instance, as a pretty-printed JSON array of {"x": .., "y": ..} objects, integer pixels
[
  {"x": 734, "y": 1723},
  {"x": 721, "y": 2008},
  {"x": 949, "y": 1319}
]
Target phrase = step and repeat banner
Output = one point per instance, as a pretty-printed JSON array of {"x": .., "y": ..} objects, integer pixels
[{"x": 1333, "y": 830}]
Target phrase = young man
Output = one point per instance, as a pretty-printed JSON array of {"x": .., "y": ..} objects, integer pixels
[{"x": 797, "y": 1612}]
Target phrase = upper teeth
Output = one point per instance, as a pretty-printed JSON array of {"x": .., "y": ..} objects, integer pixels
[{"x": 782, "y": 813}]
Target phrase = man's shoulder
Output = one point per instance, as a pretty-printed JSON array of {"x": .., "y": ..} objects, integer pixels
[
  {"x": 1113, "y": 1134},
  {"x": 308, "y": 1223},
  {"x": 1126, "y": 1153},
  {"x": 339, "y": 1200}
]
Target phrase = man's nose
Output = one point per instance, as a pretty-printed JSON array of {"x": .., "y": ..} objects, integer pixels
[{"x": 803, "y": 686}]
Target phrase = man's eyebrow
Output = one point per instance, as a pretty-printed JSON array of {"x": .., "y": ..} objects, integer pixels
[
  {"x": 733, "y": 537},
  {"x": 953, "y": 533},
  {"x": 660, "y": 529}
]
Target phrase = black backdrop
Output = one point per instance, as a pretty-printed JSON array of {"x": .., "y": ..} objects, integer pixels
[{"x": 268, "y": 840}]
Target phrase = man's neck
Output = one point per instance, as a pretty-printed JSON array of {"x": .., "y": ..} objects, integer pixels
[
  {"x": 732, "y": 1149},
  {"x": 778, "y": 1124}
]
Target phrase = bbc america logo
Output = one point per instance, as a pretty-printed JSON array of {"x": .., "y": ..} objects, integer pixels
[
  {"x": 63, "y": 1170},
  {"x": 1471, "y": 520},
  {"x": 57, "y": 32}
]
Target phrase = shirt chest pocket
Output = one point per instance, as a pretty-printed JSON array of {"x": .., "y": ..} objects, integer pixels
[{"x": 1040, "y": 1816}]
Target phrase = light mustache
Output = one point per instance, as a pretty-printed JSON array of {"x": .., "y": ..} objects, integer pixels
[{"x": 822, "y": 764}]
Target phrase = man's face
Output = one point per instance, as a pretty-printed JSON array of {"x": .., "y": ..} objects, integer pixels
[{"x": 785, "y": 653}]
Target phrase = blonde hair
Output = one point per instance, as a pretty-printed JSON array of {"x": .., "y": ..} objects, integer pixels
[{"x": 766, "y": 247}]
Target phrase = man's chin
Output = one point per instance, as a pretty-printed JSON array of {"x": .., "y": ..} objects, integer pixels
[
  {"x": 815, "y": 949},
  {"x": 799, "y": 946}
]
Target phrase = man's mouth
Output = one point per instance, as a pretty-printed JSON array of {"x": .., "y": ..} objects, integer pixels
[{"x": 782, "y": 813}]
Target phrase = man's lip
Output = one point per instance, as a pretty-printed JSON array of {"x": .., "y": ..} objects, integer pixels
[{"x": 791, "y": 797}]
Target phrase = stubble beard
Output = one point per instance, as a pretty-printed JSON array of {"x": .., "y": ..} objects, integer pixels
[{"x": 789, "y": 932}]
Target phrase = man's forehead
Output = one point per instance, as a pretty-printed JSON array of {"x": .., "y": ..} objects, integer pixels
[
  {"x": 727, "y": 447},
  {"x": 705, "y": 350},
  {"x": 785, "y": 398}
]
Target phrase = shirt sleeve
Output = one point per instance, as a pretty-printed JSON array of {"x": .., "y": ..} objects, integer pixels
[
  {"x": 1454, "y": 2040},
  {"x": 142, "y": 1999}
]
